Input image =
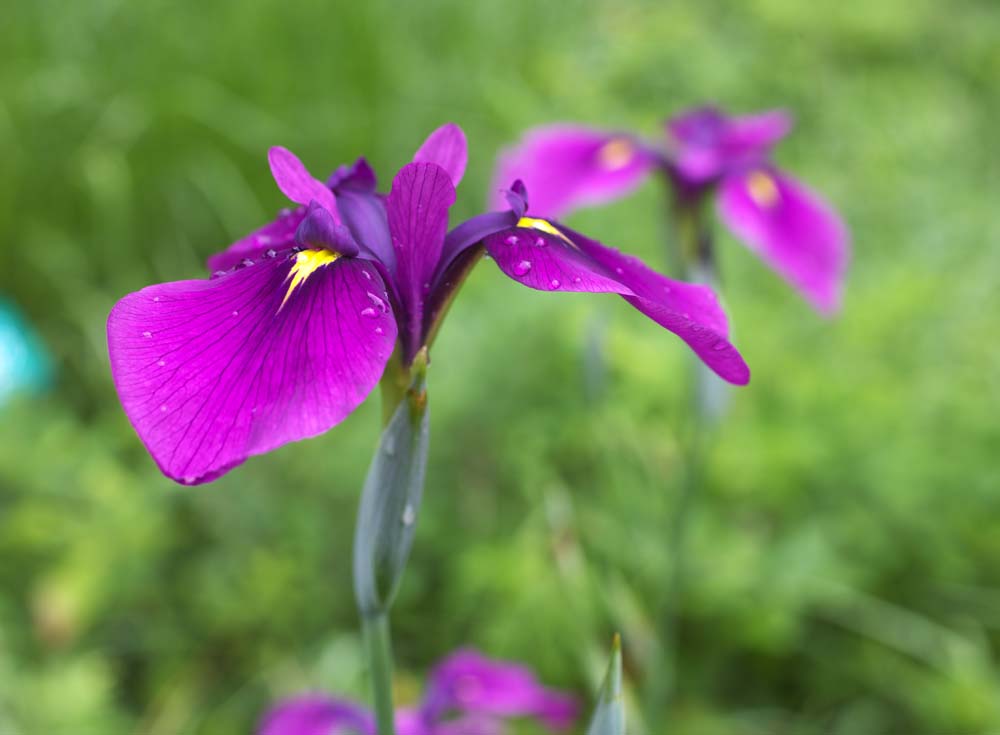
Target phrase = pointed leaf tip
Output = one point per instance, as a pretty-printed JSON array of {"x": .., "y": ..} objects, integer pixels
[{"x": 609, "y": 715}]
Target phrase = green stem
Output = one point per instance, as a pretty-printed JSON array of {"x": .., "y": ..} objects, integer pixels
[{"x": 378, "y": 646}]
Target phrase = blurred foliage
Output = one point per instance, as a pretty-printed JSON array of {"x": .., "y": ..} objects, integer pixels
[{"x": 845, "y": 554}]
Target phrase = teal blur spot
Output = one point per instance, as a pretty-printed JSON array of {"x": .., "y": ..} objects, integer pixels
[{"x": 25, "y": 364}]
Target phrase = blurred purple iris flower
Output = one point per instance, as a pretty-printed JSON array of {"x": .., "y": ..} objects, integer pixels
[
  {"x": 789, "y": 226},
  {"x": 468, "y": 694},
  {"x": 301, "y": 317}
]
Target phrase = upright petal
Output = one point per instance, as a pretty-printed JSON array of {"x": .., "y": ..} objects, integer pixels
[
  {"x": 706, "y": 143},
  {"x": 316, "y": 714},
  {"x": 565, "y": 167},
  {"x": 547, "y": 257},
  {"x": 469, "y": 683},
  {"x": 446, "y": 147},
  {"x": 212, "y": 372},
  {"x": 269, "y": 239},
  {"x": 296, "y": 182},
  {"x": 792, "y": 229},
  {"x": 418, "y": 205}
]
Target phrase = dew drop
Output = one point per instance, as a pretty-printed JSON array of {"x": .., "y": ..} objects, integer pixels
[
  {"x": 271, "y": 253},
  {"x": 367, "y": 275},
  {"x": 264, "y": 239},
  {"x": 522, "y": 268},
  {"x": 369, "y": 312},
  {"x": 147, "y": 335},
  {"x": 163, "y": 408},
  {"x": 540, "y": 242},
  {"x": 156, "y": 299},
  {"x": 554, "y": 283},
  {"x": 578, "y": 280},
  {"x": 235, "y": 313},
  {"x": 219, "y": 273},
  {"x": 161, "y": 363},
  {"x": 377, "y": 302},
  {"x": 247, "y": 262},
  {"x": 512, "y": 240},
  {"x": 379, "y": 330},
  {"x": 409, "y": 515},
  {"x": 619, "y": 271}
]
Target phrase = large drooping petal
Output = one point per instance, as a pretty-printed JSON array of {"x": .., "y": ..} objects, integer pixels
[
  {"x": 296, "y": 182},
  {"x": 316, "y": 714},
  {"x": 446, "y": 147},
  {"x": 212, "y": 372},
  {"x": 565, "y": 167},
  {"x": 467, "y": 682},
  {"x": 705, "y": 143},
  {"x": 418, "y": 205},
  {"x": 271, "y": 238},
  {"x": 792, "y": 229},
  {"x": 548, "y": 257}
]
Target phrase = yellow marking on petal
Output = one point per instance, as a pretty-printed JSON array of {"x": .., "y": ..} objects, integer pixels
[
  {"x": 617, "y": 153},
  {"x": 307, "y": 262},
  {"x": 763, "y": 189},
  {"x": 543, "y": 225}
]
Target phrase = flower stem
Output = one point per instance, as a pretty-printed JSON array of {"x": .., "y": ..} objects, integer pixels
[{"x": 378, "y": 646}]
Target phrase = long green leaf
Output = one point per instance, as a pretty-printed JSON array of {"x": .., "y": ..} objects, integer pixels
[{"x": 609, "y": 715}]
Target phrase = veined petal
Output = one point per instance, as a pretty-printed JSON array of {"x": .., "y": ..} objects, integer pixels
[
  {"x": 316, "y": 714},
  {"x": 270, "y": 239},
  {"x": 418, "y": 205},
  {"x": 548, "y": 257},
  {"x": 212, "y": 372},
  {"x": 565, "y": 167},
  {"x": 296, "y": 182},
  {"x": 471, "y": 684},
  {"x": 446, "y": 147},
  {"x": 792, "y": 229}
]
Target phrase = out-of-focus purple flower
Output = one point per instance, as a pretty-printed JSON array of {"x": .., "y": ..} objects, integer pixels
[
  {"x": 468, "y": 694},
  {"x": 789, "y": 226}
]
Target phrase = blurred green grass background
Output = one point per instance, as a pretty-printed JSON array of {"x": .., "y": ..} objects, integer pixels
[{"x": 844, "y": 560}]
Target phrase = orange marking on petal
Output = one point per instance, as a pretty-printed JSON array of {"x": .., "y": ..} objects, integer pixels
[{"x": 763, "y": 189}]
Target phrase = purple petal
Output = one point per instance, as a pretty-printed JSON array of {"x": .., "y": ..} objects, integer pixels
[
  {"x": 418, "y": 207},
  {"x": 212, "y": 372},
  {"x": 359, "y": 176},
  {"x": 365, "y": 216},
  {"x": 446, "y": 147},
  {"x": 793, "y": 229},
  {"x": 296, "y": 182},
  {"x": 315, "y": 714},
  {"x": 320, "y": 230},
  {"x": 708, "y": 144},
  {"x": 268, "y": 240},
  {"x": 559, "y": 259},
  {"x": 471, "y": 684},
  {"x": 565, "y": 167}
]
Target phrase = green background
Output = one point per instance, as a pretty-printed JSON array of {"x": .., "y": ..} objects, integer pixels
[{"x": 842, "y": 558}]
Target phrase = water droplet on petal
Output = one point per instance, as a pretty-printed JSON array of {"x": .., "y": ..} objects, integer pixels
[
  {"x": 367, "y": 275},
  {"x": 156, "y": 298},
  {"x": 554, "y": 283},
  {"x": 522, "y": 268},
  {"x": 271, "y": 253},
  {"x": 409, "y": 515},
  {"x": 161, "y": 363},
  {"x": 379, "y": 330},
  {"x": 163, "y": 408},
  {"x": 369, "y": 312},
  {"x": 235, "y": 313},
  {"x": 247, "y": 262},
  {"x": 147, "y": 335},
  {"x": 619, "y": 271},
  {"x": 511, "y": 240},
  {"x": 540, "y": 242},
  {"x": 578, "y": 280},
  {"x": 264, "y": 239},
  {"x": 376, "y": 301}
]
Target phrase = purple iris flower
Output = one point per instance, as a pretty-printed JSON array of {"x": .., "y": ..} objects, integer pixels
[
  {"x": 301, "y": 317},
  {"x": 789, "y": 226},
  {"x": 468, "y": 694}
]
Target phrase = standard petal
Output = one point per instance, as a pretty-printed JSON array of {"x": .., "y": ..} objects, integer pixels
[
  {"x": 418, "y": 205},
  {"x": 792, "y": 229},
  {"x": 212, "y": 372},
  {"x": 707, "y": 144},
  {"x": 316, "y": 714},
  {"x": 296, "y": 182},
  {"x": 565, "y": 167},
  {"x": 446, "y": 147},
  {"x": 549, "y": 258},
  {"x": 270, "y": 239},
  {"x": 471, "y": 684}
]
